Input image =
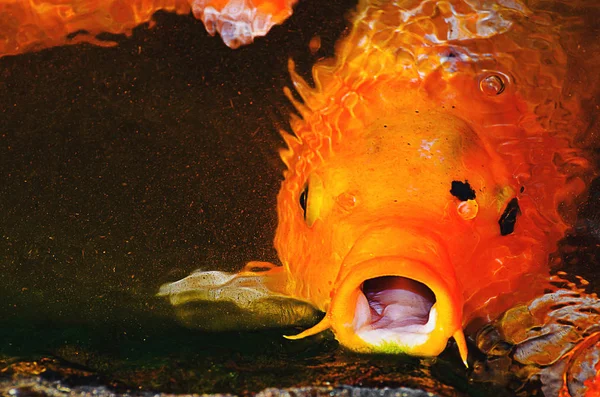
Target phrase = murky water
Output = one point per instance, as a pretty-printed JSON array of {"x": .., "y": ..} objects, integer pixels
[{"x": 123, "y": 168}]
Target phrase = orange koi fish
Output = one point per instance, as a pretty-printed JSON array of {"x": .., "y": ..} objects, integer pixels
[
  {"x": 27, "y": 25},
  {"x": 424, "y": 176}
]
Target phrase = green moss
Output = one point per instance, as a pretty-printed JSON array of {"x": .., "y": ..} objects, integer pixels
[{"x": 390, "y": 347}]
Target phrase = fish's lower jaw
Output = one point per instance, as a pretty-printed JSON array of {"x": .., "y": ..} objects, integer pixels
[
  {"x": 413, "y": 340},
  {"x": 397, "y": 305},
  {"x": 422, "y": 341}
]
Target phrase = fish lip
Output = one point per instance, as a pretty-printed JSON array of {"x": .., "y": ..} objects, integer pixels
[{"x": 404, "y": 252}]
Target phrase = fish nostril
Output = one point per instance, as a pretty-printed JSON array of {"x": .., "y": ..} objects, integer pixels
[
  {"x": 346, "y": 201},
  {"x": 467, "y": 209}
]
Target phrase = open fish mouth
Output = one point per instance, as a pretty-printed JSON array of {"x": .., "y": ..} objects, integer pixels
[
  {"x": 396, "y": 310},
  {"x": 396, "y": 304},
  {"x": 396, "y": 293}
]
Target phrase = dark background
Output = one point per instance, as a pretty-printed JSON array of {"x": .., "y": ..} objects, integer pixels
[
  {"x": 123, "y": 168},
  {"x": 127, "y": 167}
]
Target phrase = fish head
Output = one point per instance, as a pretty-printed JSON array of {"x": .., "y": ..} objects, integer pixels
[{"x": 376, "y": 225}]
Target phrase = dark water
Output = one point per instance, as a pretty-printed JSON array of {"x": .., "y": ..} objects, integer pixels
[{"x": 123, "y": 168}]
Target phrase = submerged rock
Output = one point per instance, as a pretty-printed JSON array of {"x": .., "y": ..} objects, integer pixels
[{"x": 36, "y": 386}]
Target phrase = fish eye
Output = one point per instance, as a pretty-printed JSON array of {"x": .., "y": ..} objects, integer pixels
[
  {"x": 311, "y": 200},
  {"x": 509, "y": 217},
  {"x": 462, "y": 190},
  {"x": 304, "y": 200}
]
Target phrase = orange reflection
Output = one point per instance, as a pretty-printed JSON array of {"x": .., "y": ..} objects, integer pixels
[{"x": 29, "y": 25}]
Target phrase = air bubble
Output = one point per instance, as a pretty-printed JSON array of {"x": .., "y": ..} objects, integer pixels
[{"x": 492, "y": 85}]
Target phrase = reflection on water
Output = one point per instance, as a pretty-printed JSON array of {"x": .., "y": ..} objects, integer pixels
[{"x": 126, "y": 167}]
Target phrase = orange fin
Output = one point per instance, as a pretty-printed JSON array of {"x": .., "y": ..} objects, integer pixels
[{"x": 251, "y": 299}]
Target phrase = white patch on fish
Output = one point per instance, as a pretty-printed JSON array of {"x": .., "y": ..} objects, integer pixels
[{"x": 426, "y": 146}]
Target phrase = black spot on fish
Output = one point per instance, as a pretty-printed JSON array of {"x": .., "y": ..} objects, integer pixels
[
  {"x": 509, "y": 217},
  {"x": 462, "y": 191}
]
